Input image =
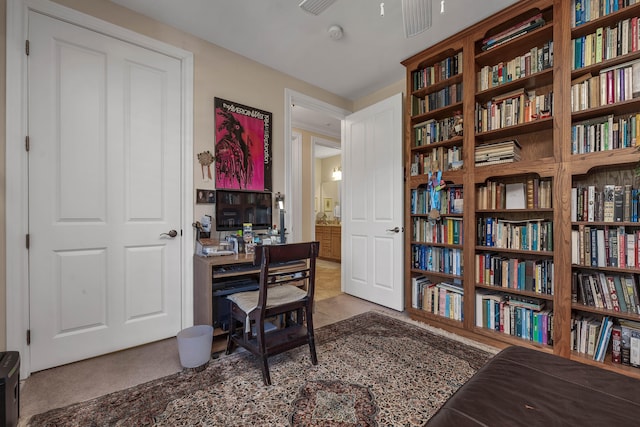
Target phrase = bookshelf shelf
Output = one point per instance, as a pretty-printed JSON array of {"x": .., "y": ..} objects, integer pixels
[
  {"x": 457, "y": 140},
  {"x": 438, "y": 113},
  {"x": 515, "y": 291},
  {"x": 514, "y": 251},
  {"x": 453, "y": 177},
  {"x": 541, "y": 78},
  {"x": 595, "y": 68},
  {"x": 440, "y": 245},
  {"x": 426, "y": 315},
  {"x": 606, "y": 312},
  {"x": 513, "y": 340},
  {"x": 445, "y": 276},
  {"x": 619, "y": 108},
  {"x": 421, "y": 93},
  {"x": 519, "y": 129}
]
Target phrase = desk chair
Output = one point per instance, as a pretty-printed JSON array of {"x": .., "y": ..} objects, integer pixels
[{"x": 287, "y": 283}]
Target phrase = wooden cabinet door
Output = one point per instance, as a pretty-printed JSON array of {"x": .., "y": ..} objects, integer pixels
[{"x": 336, "y": 242}]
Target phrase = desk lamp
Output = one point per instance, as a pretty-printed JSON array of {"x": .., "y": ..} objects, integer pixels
[{"x": 280, "y": 204}]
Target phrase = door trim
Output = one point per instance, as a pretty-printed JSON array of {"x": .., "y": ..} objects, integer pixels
[
  {"x": 293, "y": 166},
  {"x": 16, "y": 206}
]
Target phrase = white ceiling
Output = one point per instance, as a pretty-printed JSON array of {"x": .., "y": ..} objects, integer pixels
[{"x": 279, "y": 34}]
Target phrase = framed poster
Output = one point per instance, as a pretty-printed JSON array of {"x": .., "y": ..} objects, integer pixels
[{"x": 243, "y": 146}]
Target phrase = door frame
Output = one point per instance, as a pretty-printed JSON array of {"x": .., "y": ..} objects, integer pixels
[
  {"x": 16, "y": 198},
  {"x": 292, "y": 165}
]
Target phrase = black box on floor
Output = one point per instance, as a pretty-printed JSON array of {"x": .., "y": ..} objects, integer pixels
[{"x": 9, "y": 388}]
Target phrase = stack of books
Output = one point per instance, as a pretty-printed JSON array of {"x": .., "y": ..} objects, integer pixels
[
  {"x": 513, "y": 32},
  {"x": 499, "y": 152}
]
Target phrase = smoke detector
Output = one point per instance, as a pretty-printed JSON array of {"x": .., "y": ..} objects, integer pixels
[{"x": 335, "y": 32}]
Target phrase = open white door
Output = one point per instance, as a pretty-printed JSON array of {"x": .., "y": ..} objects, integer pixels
[{"x": 372, "y": 217}]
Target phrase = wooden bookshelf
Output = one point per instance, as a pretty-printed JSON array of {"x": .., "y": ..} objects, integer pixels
[{"x": 546, "y": 153}]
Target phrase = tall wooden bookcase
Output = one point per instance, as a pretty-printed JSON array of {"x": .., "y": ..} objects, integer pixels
[{"x": 444, "y": 87}]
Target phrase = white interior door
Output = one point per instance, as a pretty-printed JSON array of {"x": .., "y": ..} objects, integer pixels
[
  {"x": 372, "y": 216},
  {"x": 104, "y": 183}
]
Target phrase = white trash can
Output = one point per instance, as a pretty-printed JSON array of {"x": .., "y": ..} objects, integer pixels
[{"x": 194, "y": 345}]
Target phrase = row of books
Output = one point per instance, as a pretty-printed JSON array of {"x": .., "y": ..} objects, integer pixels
[
  {"x": 583, "y": 11},
  {"x": 432, "y": 101},
  {"x": 628, "y": 336},
  {"x": 513, "y": 32},
  {"x": 590, "y": 336},
  {"x": 536, "y": 60},
  {"x": 534, "y": 193},
  {"x": 437, "y": 159},
  {"x": 497, "y": 152},
  {"x": 510, "y": 315},
  {"x": 432, "y": 131},
  {"x": 515, "y": 273},
  {"x": 443, "y": 299},
  {"x": 610, "y": 86},
  {"x": 606, "y": 43},
  {"x": 511, "y": 109},
  {"x": 527, "y": 235},
  {"x": 605, "y": 247},
  {"x": 617, "y": 292},
  {"x": 445, "y": 230},
  {"x": 614, "y": 203},
  {"x": 450, "y": 200},
  {"x": 437, "y": 72},
  {"x": 436, "y": 259},
  {"x": 605, "y": 133}
]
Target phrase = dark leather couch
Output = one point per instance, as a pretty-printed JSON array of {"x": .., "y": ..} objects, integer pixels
[{"x": 524, "y": 387}]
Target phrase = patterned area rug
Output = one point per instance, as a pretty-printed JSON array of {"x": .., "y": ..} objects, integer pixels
[{"x": 373, "y": 370}]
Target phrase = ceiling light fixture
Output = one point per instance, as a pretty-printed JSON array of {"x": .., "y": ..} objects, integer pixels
[
  {"x": 315, "y": 7},
  {"x": 416, "y": 15},
  {"x": 335, "y": 32},
  {"x": 337, "y": 174},
  {"x": 381, "y": 9}
]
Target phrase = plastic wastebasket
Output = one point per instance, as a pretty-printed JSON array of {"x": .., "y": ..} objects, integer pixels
[{"x": 194, "y": 345}]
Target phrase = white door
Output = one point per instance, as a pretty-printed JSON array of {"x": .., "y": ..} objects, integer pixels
[
  {"x": 104, "y": 184},
  {"x": 372, "y": 216}
]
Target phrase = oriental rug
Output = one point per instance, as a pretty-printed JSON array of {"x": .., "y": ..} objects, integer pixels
[{"x": 373, "y": 370}]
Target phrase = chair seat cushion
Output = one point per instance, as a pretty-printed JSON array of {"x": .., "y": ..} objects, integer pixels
[{"x": 277, "y": 295}]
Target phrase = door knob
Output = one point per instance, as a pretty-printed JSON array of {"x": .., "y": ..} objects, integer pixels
[
  {"x": 171, "y": 233},
  {"x": 395, "y": 229}
]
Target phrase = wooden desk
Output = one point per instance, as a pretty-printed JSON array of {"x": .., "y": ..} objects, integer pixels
[{"x": 214, "y": 272}]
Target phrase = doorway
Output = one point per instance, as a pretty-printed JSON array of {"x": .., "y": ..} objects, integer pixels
[{"x": 311, "y": 116}]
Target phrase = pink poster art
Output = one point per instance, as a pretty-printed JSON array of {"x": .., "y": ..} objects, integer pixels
[{"x": 243, "y": 146}]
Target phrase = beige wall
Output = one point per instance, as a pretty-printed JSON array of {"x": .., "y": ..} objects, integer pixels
[{"x": 217, "y": 73}]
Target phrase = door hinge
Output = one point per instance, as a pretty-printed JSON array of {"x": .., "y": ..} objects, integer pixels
[
  {"x": 28, "y": 336},
  {"x": 28, "y": 241},
  {"x": 26, "y": 143},
  {"x": 26, "y": 47}
]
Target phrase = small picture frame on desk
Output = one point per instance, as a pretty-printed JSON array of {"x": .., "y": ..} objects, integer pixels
[{"x": 205, "y": 196}]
